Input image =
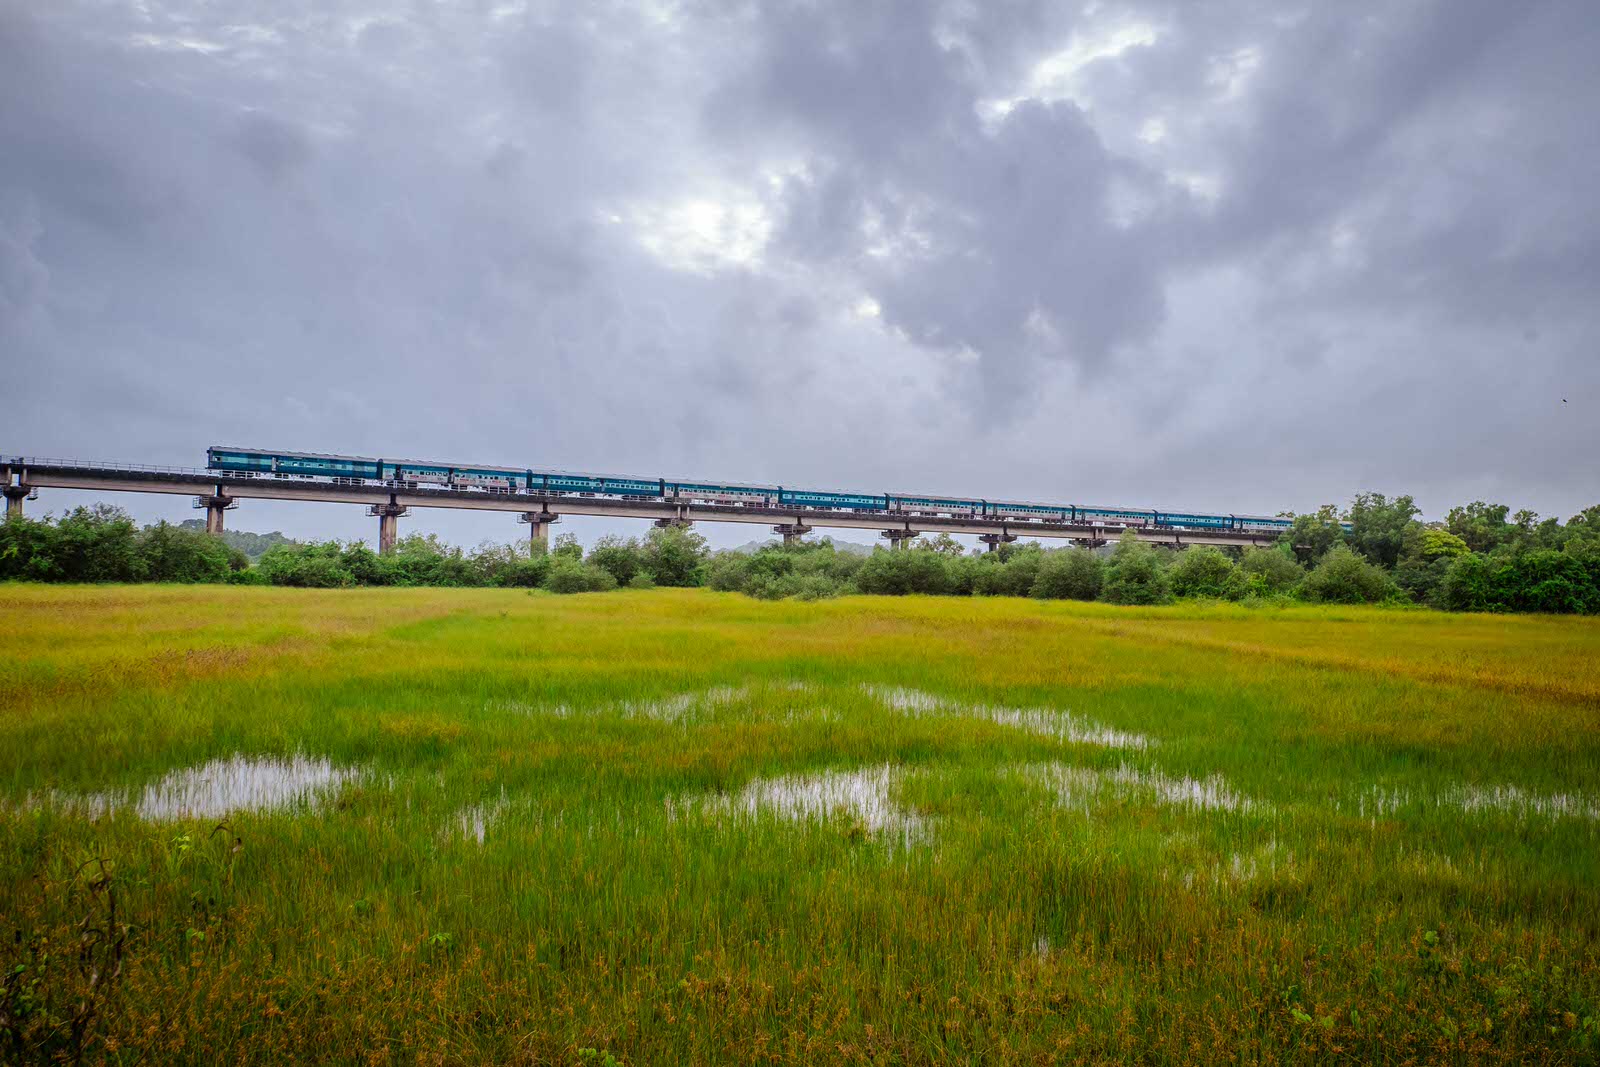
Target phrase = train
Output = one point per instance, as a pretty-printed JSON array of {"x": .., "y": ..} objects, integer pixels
[{"x": 430, "y": 474}]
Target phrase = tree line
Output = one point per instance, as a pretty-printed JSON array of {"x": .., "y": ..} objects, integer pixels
[{"x": 1481, "y": 558}]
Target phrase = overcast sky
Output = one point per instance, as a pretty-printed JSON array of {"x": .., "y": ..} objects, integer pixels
[{"x": 1218, "y": 255}]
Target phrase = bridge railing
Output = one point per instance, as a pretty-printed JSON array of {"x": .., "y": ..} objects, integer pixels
[{"x": 100, "y": 465}]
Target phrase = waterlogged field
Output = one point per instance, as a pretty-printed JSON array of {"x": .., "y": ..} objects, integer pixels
[{"x": 397, "y": 826}]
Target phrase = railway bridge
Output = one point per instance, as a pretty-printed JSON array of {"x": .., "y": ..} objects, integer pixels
[{"x": 218, "y": 492}]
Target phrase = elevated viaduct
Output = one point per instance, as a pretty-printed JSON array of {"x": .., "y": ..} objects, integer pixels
[{"x": 218, "y": 492}]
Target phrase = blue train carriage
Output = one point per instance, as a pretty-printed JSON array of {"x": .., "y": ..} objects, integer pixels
[
  {"x": 416, "y": 473},
  {"x": 1101, "y": 515},
  {"x": 918, "y": 504},
  {"x": 572, "y": 482},
  {"x": 735, "y": 493},
  {"x": 825, "y": 501},
  {"x": 1028, "y": 510},
  {"x": 1262, "y": 523},
  {"x": 293, "y": 464},
  {"x": 1194, "y": 520}
]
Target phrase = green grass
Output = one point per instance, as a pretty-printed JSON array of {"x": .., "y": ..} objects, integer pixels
[{"x": 1349, "y": 834}]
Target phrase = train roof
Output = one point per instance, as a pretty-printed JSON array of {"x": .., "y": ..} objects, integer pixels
[
  {"x": 455, "y": 466},
  {"x": 1118, "y": 507},
  {"x": 292, "y": 455},
  {"x": 719, "y": 483},
  {"x": 995, "y": 505},
  {"x": 829, "y": 492},
  {"x": 945, "y": 497}
]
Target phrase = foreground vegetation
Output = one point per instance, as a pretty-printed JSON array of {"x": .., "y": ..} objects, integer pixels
[
  {"x": 1376, "y": 551},
  {"x": 675, "y": 826}
]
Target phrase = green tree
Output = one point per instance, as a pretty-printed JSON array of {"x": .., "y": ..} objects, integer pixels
[
  {"x": 568, "y": 575},
  {"x": 1135, "y": 575},
  {"x": 1203, "y": 571},
  {"x": 1270, "y": 571},
  {"x": 623, "y": 557},
  {"x": 1069, "y": 574},
  {"x": 567, "y": 546},
  {"x": 174, "y": 555},
  {"x": 897, "y": 572},
  {"x": 1378, "y": 526},
  {"x": 1482, "y": 526},
  {"x": 1311, "y": 536},
  {"x": 675, "y": 555},
  {"x": 943, "y": 544},
  {"x": 1344, "y": 577},
  {"x": 729, "y": 572},
  {"x": 1012, "y": 571}
]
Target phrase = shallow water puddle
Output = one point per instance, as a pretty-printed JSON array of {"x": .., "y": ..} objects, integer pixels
[
  {"x": 1522, "y": 804},
  {"x": 1046, "y": 722},
  {"x": 218, "y": 788},
  {"x": 474, "y": 821},
  {"x": 679, "y": 707},
  {"x": 1083, "y": 787},
  {"x": 862, "y": 795}
]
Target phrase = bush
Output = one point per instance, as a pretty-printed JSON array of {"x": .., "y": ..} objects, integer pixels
[
  {"x": 1070, "y": 574},
  {"x": 1422, "y": 579},
  {"x": 799, "y": 586},
  {"x": 312, "y": 566},
  {"x": 1547, "y": 581},
  {"x": 1008, "y": 573},
  {"x": 641, "y": 581},
  {"x": 622, "y": 557},
  {"x": 1267, "y": 571},
  {"x": 675, "y": 556},
  {"x": 171, "y": 554},
  {"x": 568, "y": 575},
  {"x": 897, "y": 572},
  {"x": 728, "y": 572},
  {"x": 1344, "y": 577},
  {"x": 1204, "y": 571},
  {"x": 1135, "y": 575}
]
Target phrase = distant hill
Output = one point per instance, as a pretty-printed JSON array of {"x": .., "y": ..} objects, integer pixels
[{"x": 254, "y": 545}]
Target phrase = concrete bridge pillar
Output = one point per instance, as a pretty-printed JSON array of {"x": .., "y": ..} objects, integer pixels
[
  {"x": 388, "y": 516},
  {"x": 995, "y": 540},
  {"x": 215, "y": 505},
  {"x": 15, "y": 495},
  {"x": 677, "y": 522},
  {"x": 791, "y": 531},
  {"x": 898, "y": 538},
  {"x": 539, "y": 530}
]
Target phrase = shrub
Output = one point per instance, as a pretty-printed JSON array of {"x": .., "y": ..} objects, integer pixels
[
  {"x": 728, "y": 572},
  {"x": 798, "y": 586},
  {"x": 1135, "y": 575},
  {"x": 1469, "y": 585},
  {"x": 171, "y": 554},
  {"x": 1204, "y": 571},
  {"x": 897, "y": 572},
  {"x": 641, "y": 580},
  {"x": 825, "y": 560},
  {"x": 568, "y": 575},
  {"x": 675, "y": 555},
  {"x": 1344, "y": 577},
  {"x": 1270, "y": 570},
  {"x": 1547, "y": 581},
  {"x": 312, "y": 566},
  {"x": 622, "y": 557},
  {"x": 1071, "y": 574},
  {"x": 998, "y": 575}
]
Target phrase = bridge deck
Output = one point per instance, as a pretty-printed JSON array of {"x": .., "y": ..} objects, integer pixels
[{"x": 51, "y": 474}]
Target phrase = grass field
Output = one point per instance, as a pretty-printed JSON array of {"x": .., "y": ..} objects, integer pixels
[{"x": 398, "y": 826}]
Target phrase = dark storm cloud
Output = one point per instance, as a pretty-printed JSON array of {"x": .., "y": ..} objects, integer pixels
[{"x": 1240, "y": 255}]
